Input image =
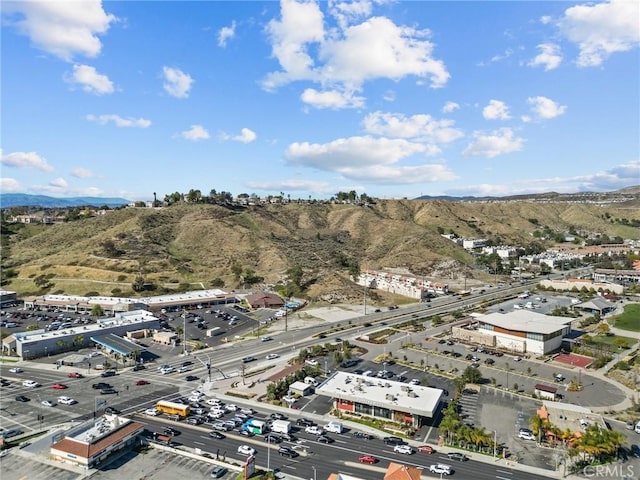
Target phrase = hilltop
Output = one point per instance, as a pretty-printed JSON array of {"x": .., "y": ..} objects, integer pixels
[{"x": 315, "y": 245}]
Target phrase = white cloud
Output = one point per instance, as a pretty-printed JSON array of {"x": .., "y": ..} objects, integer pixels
[
  {"x": 416, "y": 127},
  {"x": 348, "y": 12},
  {"x": 26, "y": 160},
  {"x": 497, "y": 143},
  {"x": 80, "y": 172},
  {"x": 59, "y": 183},
  {"x": 119, "y": 121},
  {"x": 294, "y": 186},
  {"x": 546, "y": 108},
  {"x": 550, "y": 57},
  {"x": 389, "y": 96},
  {"x": 621, "y": 176},
  {"x": 450, "y": 107},
  {"x": 368, "y": 159},
  {"x": 90, "y": 80},
  {"x": 246, "y": 136},
  {"x": 377, "y": 48},
  {"x": 64, "y": 29},
  {"x": 225, "y": 33},
  {"x": 176, "y": 82},
  {"x": 345, "y": 57},
  {"x": 332, "y": 99},
  {"x": 602, "y": 29},
  {"x": 195, "y": 133},
  {"x": 10, "y": 185},
  {"x": 352, "y": 152},
  {"x": 545, "y": 19},
  {"x": 496, "y": 110}
]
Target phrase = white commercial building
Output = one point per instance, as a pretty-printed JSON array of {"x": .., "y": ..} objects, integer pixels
[
  {"x": 524, "y": 331},
  {"x": 381, "y": 398}
]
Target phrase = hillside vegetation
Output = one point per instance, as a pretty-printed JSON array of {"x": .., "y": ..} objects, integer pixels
[{"x": 317, "y": 245}]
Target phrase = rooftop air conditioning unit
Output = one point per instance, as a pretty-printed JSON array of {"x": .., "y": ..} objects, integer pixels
[{"x": 413, "y": 394}]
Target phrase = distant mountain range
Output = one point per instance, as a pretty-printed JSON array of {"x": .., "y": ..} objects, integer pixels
[
  {"x": 8, "y": 200},
  {"x": 628, "y": 193}
]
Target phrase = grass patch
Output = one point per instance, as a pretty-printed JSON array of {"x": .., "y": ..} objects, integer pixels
[
  {"x": 628, "y": 320},
  {"x": 612, "y": 340}
]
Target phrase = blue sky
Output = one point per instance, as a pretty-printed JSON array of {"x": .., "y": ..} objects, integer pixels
[{"x": 389, "y": 98}]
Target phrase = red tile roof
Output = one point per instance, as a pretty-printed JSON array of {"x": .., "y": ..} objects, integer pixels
[{"x": 88, "y": 450}]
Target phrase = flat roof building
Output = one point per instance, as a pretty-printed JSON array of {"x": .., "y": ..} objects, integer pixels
[
  {"x": 89, "y": 444},
  {"x": 381, "y": 398},
  {"x": 519, "y": 331},
  {"x": 77, "y": 303},
  {"x": 40, "y": 343}
]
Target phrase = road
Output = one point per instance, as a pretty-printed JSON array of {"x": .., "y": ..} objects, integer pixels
[{"x": 341, "y": 455}]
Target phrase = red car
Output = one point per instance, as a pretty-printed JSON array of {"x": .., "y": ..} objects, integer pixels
[
  {"x": 142, "y": 382},
  {"x": 74, "y": 375},
  {"x": 59, "y": 386},
  {"x": 370, "y": 459},
  {"x": 426, "y": 449}
]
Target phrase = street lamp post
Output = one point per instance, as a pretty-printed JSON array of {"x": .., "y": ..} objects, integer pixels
[
  {"x": 495, "y": 442},
  {"x": 314, "y": 472},
  {"x": 184, "y": 332}
]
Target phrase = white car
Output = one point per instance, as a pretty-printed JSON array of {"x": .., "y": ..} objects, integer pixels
[
  {"x": 67, "y": 401},
  {"x": 526, "y": 436},
  {"x": 48, "y": 403},
  {"x": 30, "y": 384},
  {"x": 272, "y": 356},
  {"x": 406, "y": 449},
  {"x": 214, "y": 402},
  {"x": 183, "y": 369},
  {"x": 311, "y": 361},
  {"x": 166, "y": 370},
  {"x": 441, "y": 469},
  {"x": 246, "y": 450},
  {"x": 16, "y": 370},
  {"x": 152, "y": 411},
  {"x": 414, "y": 381},
  {"x": 314, "y": 430},
  {"x": 231, "y": 408}
]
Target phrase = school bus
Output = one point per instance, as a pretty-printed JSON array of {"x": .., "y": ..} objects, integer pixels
[{"x": 172, "y": 408}]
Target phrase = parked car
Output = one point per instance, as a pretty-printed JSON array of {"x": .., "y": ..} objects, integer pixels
[
  {"x": 369, "y": 459},
  {"x": 219, "y": 472},
  {"x": 526, "y": 435}
]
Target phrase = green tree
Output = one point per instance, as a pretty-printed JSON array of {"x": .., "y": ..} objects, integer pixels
[
  {"x": 472, "y": 375},
  {"x": 97, "y": 311}
]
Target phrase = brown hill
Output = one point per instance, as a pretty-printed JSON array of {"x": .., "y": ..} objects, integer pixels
[{"x": 197, "y": 244}]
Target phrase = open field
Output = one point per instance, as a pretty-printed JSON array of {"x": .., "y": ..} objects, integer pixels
[{"x": 629, "y": 320}]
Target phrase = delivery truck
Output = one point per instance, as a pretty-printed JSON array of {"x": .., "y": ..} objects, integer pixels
[{"x": 281, "y": 426}]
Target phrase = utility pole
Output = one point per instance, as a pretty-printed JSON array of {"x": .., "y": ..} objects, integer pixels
[
  {"x": 184, "y": 332},
  {"x": 206, "y": 364}
]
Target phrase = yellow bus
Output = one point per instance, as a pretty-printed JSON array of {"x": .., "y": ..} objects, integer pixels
[{"x": 172, "y": 408}]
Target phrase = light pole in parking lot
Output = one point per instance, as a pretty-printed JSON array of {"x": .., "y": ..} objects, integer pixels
[
  {"x": 314, "y": 472},
  {"x": 495, "y": 442}
]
